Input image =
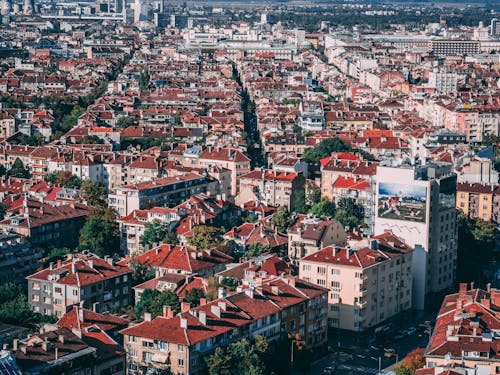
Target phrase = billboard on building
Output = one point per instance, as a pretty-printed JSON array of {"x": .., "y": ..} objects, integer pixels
[{"x": 401, "y": 202}]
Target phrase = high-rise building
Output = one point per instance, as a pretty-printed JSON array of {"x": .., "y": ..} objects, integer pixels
[
  {"x": 495, "y": 27},
  {"x": 29, "y": 7},
  {"x": 417, "y": 203}
]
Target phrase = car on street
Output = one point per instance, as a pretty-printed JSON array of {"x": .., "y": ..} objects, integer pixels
[
  {"x": 328, "y": 370},
  {"x": 411, "y": 331}
]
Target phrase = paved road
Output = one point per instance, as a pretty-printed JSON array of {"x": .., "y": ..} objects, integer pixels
[{"x": 364, "y": 360}]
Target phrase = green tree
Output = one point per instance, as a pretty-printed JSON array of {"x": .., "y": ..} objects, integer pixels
[
  {"x": 402, "y": 370},
  {"x": 351, "y": 207},
  {"x": 140, "y": 272},
  {"x": 154, "y": 232},
  {"x": 324, "y": 149},
  {"x": 124, "y": 122},
  {"x": 323, "y": 208},
  {"x": 281, "y": 219},
  {"x": 243, "y": 357},
  {"x": 219, "y": 363},
  {"x": 100, "y": 233},
  {"x": 152, "y": 301},
  {"x": 18, "y": 170},
  {"x": 313, "y": 194},
  {"x": 343, "y": 217},
  {"x": 256, "y": 249},
  {"x": 56, "y": 254},
  {"x": 299, "y": 201},
  {"x": 144, "y": 80},
  {"x": 70, "y": 120},
  {"x": 94, "y": 193},
  {"x": 204, "y": 237},
  {"x": 193, "y": 296}
]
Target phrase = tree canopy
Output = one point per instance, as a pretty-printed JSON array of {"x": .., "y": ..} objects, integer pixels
[
  {"x": 204, "y": 237},
  {"x": 156, "y": 232},
  {"x": 18, "y": 170},
  {"x": 413, "y": 361},
  {"x": 152, "y": 301},
  {"x": 94, "y": 193},
  {"x": 245, "y": 357},
  {"x": 281, "y": 219},
  {"x": 323, "y": 207},
  {"x": 325, "y": 149},
  {"x": 100, "y": 233}
]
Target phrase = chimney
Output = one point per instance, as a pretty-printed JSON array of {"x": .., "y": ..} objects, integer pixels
[
  {"x": 222, "y": 305},
  {"x": 374, "y": 244},
  {"x": 221, "y": 292},
  {"x": 81, "y": 317},
  {"x": 202, "y": 316},
  {"x": 472, "y": 285},
  {"x": 462, "y": 289},
  {"x": 46, "y": 345},
  {"x": 147, "y": 317},
  {"x": 91, "y": 263},
  {"x": 168, "y": 312},
  {"x": 215, "y": 310},
  {"x": 488, "y": 287},
  {"x": 460, "y": 305},
  {"x": 185, "y": 307},
  {"x": 184, "y": 323},
  {"x": 203, "y": 301},
  {"x": 249, "y": 292},
  {"x": 51, "y": 265},
  {"x": 486, "y": 302},
  {"x": 24, "y": 349},
  {"x": 275, "y": 290},
  {"x": 59, "y": 263},
  {"x": 73, "y": 267},
  {"x": 336, "y": 250}
]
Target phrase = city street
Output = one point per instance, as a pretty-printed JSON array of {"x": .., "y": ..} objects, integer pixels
[{"x": 364, "y": 359}]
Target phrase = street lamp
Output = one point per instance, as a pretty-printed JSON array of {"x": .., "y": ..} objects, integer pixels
[
  {"x": 379, "y": 363},
  {"x": 295, "y": 339}
]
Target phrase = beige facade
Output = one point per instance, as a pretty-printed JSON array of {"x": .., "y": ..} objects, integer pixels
[{"x": 369, "y": 282}]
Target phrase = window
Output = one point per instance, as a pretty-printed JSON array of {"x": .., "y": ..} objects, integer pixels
[
  {"x": 180, "y": 348},
  {"x": 75, "y": 292},
  {"x": 58, "y": 290},
  {"x": 147, "y": 344},
  {"x": 335, "y": 271},
  {"x": 321, "y": 282},
  {"x": 306, "y": 267},
  {"x": 335, "y": 285},
  {"x": 147, "y": 356},
  {"x": 36, "y": 286},
  {"x": 321, "y": 270},
  {"x": 180, "y": 362}
]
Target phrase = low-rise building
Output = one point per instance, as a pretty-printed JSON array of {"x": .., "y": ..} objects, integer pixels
[
  {"x": 466, "y": 332},
  {"x": 275, "y": 309},
  {"x": 18, "y": 258},
  {"x": 85, "y": 280},
  {"x": 309, "y": 234},
  {"x": 168, "y": 191},
  {"x": 186, "y": 260},
  {"x": 270, "y": 187},
  {"x": 369, "y": 281}
]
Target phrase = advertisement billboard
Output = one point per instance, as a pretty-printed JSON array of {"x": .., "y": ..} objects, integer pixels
[{"x": 401, "y": 202}]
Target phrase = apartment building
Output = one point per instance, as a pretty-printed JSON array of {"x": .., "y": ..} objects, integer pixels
[
  {"x": 270, "y": 187},
  {"x": 177, "y": 259},
  {"x": 233, "y": 159},
  {"x": 18, "y": 258},
  {"x": 477, "y": 170},
  {"x": 418, "y": 204},
  {"x": 309, "y": 234},
  {"x": 59, "y": 350},
  {"x": 168, "y": 191},
  {"x": 275, "y": 309},
  {"x": 477, "y": 200},
  {"x": 369, "y": 281},
  {"x": 466, "y": 332},
  {"x": 82, "y": 279},
  {"x": 453, "y": 47},
  {"x": 132, "y": 226},
  {"x": 44, "y": 224}
]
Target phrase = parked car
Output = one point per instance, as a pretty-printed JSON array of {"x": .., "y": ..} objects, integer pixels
[
  {"x": 328, "y": 370},
  {"x": 411, "y": 331}
]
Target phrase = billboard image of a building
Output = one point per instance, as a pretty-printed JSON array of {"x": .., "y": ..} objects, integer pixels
[{"x": 402, "y": 202}]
